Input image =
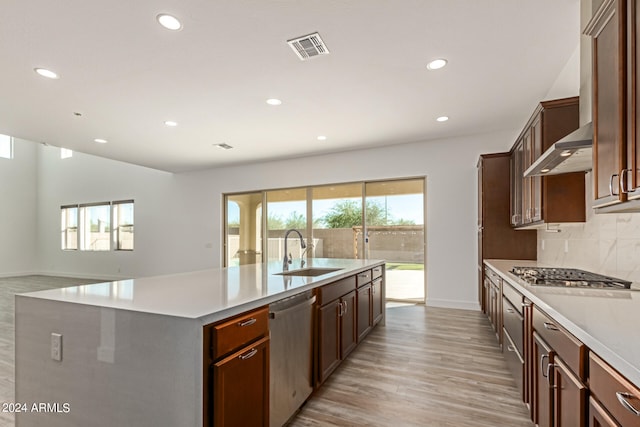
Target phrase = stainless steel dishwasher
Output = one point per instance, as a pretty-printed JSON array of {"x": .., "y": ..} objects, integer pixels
[{"x": 290, "y": 356}]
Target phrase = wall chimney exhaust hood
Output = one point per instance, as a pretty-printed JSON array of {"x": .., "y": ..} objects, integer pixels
[{"x": 569, "y": 154}]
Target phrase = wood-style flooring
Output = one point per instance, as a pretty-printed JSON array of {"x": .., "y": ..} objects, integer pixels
[
  {"x": 427, "y": 367},
  {"x": 8, "y": 288}
]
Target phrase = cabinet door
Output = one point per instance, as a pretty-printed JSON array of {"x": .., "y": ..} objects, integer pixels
[
  {"x": 608, "y": 112},
  {"x": 526, "y": 182},
  {"x": 529, "y": 357},
  {"x": 241, "y": 387},
  {"x": 516, "y": 184},
  {"x": 377, "y": 303},
  {"x": 543, "y": 377},
  {"x": 364, "y": 311},
  {"x": 631, "y": 175},
  {"x": 348, "y": 325},
  {"x": 328, "y": 339},
  {"x": 570, "y": 397},
  {"x": 536, "y": 181},
  {"x": 598, "y": 416}
]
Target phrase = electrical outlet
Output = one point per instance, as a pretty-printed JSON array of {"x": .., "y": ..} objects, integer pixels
[
  {"x": 56, "y": 346},
  {"x": 566, "y": 246}
]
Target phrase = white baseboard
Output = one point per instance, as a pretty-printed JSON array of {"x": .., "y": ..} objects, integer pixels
[{"x": 445, "y": 303}]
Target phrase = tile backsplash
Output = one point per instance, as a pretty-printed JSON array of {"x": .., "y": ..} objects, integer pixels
[{"x": 607, "y": 243}]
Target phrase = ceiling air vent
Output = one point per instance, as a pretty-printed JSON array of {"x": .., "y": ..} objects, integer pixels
[{"x": 308, "y": 46}]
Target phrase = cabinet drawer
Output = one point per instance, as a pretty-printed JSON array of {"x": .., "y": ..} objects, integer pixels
[
  {"x": 492, "y": 275},
  {"x": 613, "y": 391},
  {"x": 513, "y": 323},
  {"x": 363, "y": 277},
  {"x": 568, "y": 347},
  {"x": 514, "y": 297},
  {"x": 335, "y": 290},
  {"x": 376, "y": 272},
  {"x": 238, "y": 331},
  {"x": 514, "y": 361}
]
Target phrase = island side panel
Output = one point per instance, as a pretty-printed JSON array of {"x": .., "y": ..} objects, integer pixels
[{"x": 118, "y": 367}]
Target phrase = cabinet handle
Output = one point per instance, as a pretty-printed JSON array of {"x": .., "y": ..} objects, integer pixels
[
  {"x": 549, "y": 366},
  {"x": 613, "y": 177},
  {"x": 550, "y": 326},
  {"x": 340, "y": 307},
  {"x": 623, "y": 181},
  {"x": 346, "y": 306},
  {"x": 248, "y": 355},
  {"x": 542, "y": 370},
  {"x": 247, "y": 322},
  {"x": 622, "y": 398},
  {"x": 363, "y": 275},
  {"x": 510, "y": 310},
  {"x": 373, "y": 290},
  {"x": 511, "y": 348}
]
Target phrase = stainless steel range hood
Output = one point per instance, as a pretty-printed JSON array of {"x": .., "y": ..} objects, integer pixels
[{"x": 570, "y": 154}]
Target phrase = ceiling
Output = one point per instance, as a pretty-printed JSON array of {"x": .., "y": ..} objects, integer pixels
[{"x": 125, "y": 75}]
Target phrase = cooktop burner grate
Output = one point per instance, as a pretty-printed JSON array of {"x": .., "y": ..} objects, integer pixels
[{"x": 568, "y": 277}]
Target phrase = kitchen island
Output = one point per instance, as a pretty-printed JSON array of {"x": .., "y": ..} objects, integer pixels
[{"x": 130, "y": 352}]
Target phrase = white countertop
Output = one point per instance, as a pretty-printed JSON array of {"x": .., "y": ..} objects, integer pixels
[
  {"x": 606, "y": 321},
  {"x": 207, "y": 294}
]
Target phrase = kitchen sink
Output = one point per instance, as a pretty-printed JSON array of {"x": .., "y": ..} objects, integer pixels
[{"x": 309, "y": 272}]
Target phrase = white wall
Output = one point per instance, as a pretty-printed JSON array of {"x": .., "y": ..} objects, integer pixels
[
  {"x": 18, "y": 195},
  {"x": 179, "y": 216}
]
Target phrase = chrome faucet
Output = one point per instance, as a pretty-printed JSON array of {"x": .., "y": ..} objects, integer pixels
[{"x": 287, "y": 258}]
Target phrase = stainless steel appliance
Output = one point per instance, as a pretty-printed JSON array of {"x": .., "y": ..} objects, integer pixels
[
  {"x": 290, "y": 356},
  {"x": 568, "y": 277}
]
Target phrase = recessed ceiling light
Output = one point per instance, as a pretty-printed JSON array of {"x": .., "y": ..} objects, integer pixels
[
  {"x": 544, "y": 170},
  {"x": 322, "y": 138},
  {"x": 565, "y": 153},
  {"x": 46, "y": 73},
  {"x": 100, "y": 141},
  {"x": 171, "y": 123},
  {"x": 274, "y": 101},
  {"x": 223, "y": 146},
  {"x": 169, "y": 22},
  {"x": 436, "y": 64},
  {"x": 442, "y": 119}
]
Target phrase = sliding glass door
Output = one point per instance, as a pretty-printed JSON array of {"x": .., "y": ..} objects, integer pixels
[
  {"x": 362, "y": 220},
  {"x": 394, "y": 231}
]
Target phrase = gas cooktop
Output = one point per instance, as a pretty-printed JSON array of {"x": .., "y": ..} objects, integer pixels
[{"x": 568, "y": 277}]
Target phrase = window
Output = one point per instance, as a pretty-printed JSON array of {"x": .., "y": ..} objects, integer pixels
[
  {"x": 95, "y": 223},
  {"x": 6, "y": 146},
  {"x": 69, "y": 227},
  {"x": 87, "y": 227},
  {"x": 123, "y": 225}
]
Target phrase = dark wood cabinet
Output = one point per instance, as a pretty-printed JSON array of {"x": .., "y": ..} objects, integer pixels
[
  {"x": 496, "y": 238},
  {"x": 240, "y": 387},
  {"x": 607, "y": 29},
  {"x": 615, "y": 110},
  {"x": 546, "y": 199},
  {"x": 543, "y": 409},
  {"x": 365, "y": 320},
  {"x": 614, "y": 398},
  {"x": 570, "y": 397},
  {"x": 337, "y": 331},
  {"x": 236, "y": 371},
  {"x": 377, "y": 301},
  {"x": 329, "y": 338}
]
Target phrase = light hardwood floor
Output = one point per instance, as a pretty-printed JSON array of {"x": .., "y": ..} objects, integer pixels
[
  {"x": 427, "y": 367},
  {"x": 8, "y": 288}
]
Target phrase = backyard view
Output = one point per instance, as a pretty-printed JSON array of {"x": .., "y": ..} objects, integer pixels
[{"x": 333, "y": 227}]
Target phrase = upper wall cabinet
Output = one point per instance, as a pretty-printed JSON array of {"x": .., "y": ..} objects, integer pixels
[
  {"x": 549, "y": 199},
  {"x": 616, "y": 154}
]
